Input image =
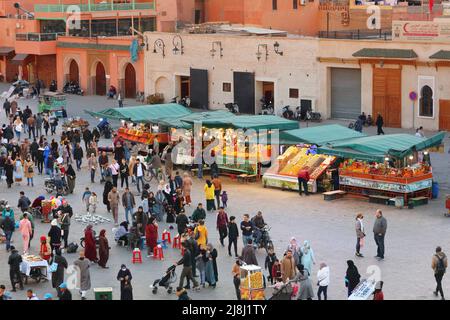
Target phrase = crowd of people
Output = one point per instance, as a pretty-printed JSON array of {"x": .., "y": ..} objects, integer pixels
[{"x": 122, "y": 174}]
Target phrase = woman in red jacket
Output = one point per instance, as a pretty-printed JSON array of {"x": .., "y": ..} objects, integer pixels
[{"x": 151, "y": 235}]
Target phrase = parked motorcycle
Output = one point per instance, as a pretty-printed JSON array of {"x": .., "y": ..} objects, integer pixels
[
  {"x": 174, "y": 100},
  {"x": 369, "y": 121},
  {"x": 73, "y": 88},
  {"x": 232, "y": 107},
  {"x": 287, "y": 113},
  {"x": 264, "y": 241},
  {"x": 313, "y": 116},
  {"x": 96, "y": 238},
  {"x": 186, "y": 102},
  {"x": 105, "y": 129},
  {"x": 266, "y": 106},
  {"x": 50, "y": 187}
]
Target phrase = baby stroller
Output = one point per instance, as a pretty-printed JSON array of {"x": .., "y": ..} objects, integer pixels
[
  {"x": 282, "y": 291},
  {"x": 36, "y": 207},
  {"x": 166, "y": 281}
]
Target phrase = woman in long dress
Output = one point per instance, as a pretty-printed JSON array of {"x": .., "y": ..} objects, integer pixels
[
  {"x": 90, "y": 249},
  {"x": 307, "y": 256},
  {"x": 103, "y": 250},
  {"x": 187, "y": 186},
  {"x": 18, "y": 171}
]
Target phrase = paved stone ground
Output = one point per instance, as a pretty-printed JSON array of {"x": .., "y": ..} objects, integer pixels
[{"x": 411, "y": 238}]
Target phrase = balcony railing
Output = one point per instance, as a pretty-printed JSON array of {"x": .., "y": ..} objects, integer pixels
[
  {"x": 94, "y": 7},
  {"x": 384, "y": 34},
  {"x": 39, "y": 37}
]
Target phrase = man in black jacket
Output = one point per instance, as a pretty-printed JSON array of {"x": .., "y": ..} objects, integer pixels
[
  {"x": 233, "y": 235},
  {"x": 186, "y": 261},
  {"x": 23, "y": 203},
  {"x": 78, "y": 156},
  {"x": 87, "y": 137},
  {"x": 14, "y": 261},
  {"x": 7, "y": 107},
  {"x": 182, "y": 221},
  {"x": 8, "y": 227}
]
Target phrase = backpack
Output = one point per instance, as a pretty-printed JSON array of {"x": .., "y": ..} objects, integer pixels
[
  {"x": 440, "y": 266},
  {"x": 72, "y": 247}
]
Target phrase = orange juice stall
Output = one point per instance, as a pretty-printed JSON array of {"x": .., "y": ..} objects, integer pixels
[{"x": 387, "y": 169}]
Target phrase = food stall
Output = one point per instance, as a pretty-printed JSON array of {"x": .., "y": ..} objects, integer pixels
[
  {"x": 283, "y": 174},
  {"x": 142, "y": 124},
  {"x": 302, "y": 152},
  {"x": 35, "y": 267},
  {"x": 242, "y": 144},
  {"x": 75, "y": 123},
  {"x": 53, "y": 102},
  {"x": 385, "y": 168},
  {"x": 252, "y": 283}
]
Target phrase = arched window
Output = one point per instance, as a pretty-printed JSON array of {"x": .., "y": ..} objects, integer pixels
[{"x": 426, "y": 102}]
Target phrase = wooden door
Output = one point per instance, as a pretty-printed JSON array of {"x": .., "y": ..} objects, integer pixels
[
  {"x": 444, "y": 115},
  {"x": 130, "y": 81},
  {"x": 387, "y": 96},
  {"x": 100, "y": 80},
  {"x": 74, "y": 72}
]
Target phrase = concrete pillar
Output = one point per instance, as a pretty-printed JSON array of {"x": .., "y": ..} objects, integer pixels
[{"x": 121, "y": 87}]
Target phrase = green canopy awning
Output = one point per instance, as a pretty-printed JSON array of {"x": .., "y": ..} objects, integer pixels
[
  {"x": 256, "y": 122},
  {"x": 376, "y": 148},
  {"x": 147, "y": 113},
  {"x": 319, "y": 135},
  {"x": 186, "y": 122}
]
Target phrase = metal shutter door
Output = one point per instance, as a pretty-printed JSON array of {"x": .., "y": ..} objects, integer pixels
[
  {"x": 244, "y": 91},
  {"x": 199, "y": 88},
  {"x": 345, "y": 93}
]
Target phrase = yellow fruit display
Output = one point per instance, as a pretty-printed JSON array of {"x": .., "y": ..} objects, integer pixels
[{"x": 254, "y": 279}]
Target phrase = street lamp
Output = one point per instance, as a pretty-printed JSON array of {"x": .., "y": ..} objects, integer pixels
[
  {"x": 214, "y": 50},
  {"x": 276, "y": 48},
  {"x": 177, "y": 42},
  {"x": 160, "y": 45},
  {"x": 259, "y": 53}
]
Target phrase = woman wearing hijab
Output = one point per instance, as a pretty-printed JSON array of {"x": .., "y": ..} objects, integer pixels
[
  {"x": 151, "y": 200},
  {"x": 106, "y": 191},
  {"x": 9, "y": 171},
  {"x": 187, "y": 186},
  {"x": 71, "y": 176},
  {"x": 209, "y": 269},
  {"x": 352, "y": 277},
  {"x": 213, "y": 256},
  {"x": 55, "y": 235},
  {"x": 307, "y": 259},
  {"x": 151, "y": 235},
  {"x": 305, "y": 292},
  {"x": 158, "y": 207},
  {"x": 18, "y": 171},
  {"x": 58, "y": 275},
  {"x": 90, "y": 249},
  {"x": 295, "y": 249},
  {"x": 124, "y": 276},
  {"x": 209, "y": 195},
  {"x": 103, "y": 249}
]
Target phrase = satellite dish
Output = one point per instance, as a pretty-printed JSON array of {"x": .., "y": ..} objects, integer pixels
[{"x": 16, "y": 5}]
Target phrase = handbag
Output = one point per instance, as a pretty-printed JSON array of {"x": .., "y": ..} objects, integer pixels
[{"x": 53, "y": 267}]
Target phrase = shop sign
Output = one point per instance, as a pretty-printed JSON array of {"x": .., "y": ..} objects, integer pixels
[
  {"x": 420, "y": 31},
  {"x": 385, "y": 186}
]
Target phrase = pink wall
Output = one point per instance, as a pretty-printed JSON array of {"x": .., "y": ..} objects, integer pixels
[
  {"x": 9, "y": 28},
  {"x": 304, "y": 20}
]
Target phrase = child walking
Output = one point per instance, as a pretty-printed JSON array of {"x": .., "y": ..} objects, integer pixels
[
  {"x": 85, "y": 198},
  {"x": 224, "y": 199},
  {"x": 93, "y": 202}
]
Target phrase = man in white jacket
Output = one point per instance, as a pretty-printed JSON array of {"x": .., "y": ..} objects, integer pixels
[{"x": 323, "y": 280}]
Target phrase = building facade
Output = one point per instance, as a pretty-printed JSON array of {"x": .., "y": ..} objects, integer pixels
[{"x": 407, "y": 82}]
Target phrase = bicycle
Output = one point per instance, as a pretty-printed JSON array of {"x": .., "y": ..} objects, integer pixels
[{"x": 150, "y": 174}]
